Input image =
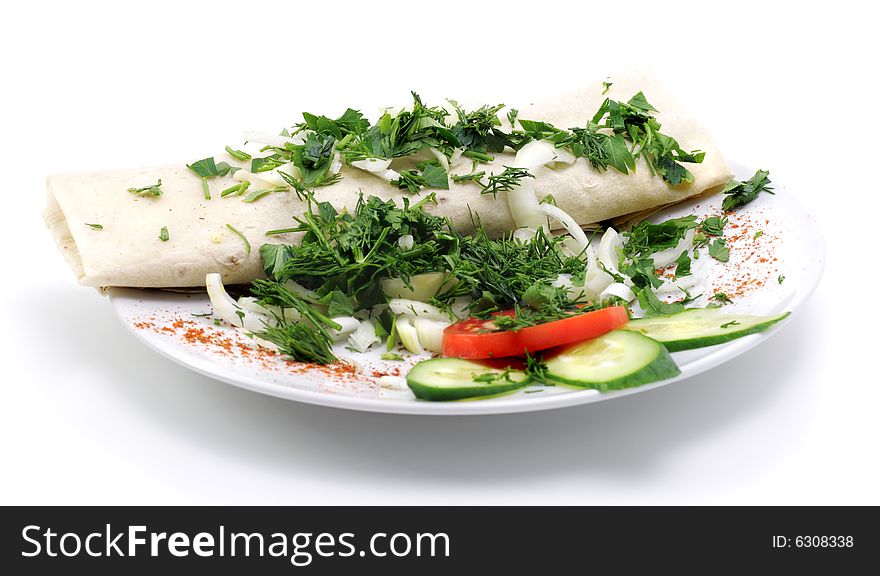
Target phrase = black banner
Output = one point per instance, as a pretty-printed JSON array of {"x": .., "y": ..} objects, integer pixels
[{"x": 37, "y": 540}]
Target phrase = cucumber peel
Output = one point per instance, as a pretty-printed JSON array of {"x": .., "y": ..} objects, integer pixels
[
  {"x": 457, "y": 379},
  {"x": 699, "y": 327},
  {"x": 614, "y": 361}
]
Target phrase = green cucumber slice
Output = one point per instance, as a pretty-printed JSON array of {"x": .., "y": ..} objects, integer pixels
[
  {"x": 699, "y": 327},
  {"x": 613, "y": 361},
  {"x": 454, "y": 379}
]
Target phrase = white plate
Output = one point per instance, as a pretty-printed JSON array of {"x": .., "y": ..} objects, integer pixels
[{"x": 790, "y": 244}]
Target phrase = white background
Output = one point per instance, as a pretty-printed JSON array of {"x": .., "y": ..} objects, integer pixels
[{"x": 88, "y": 415}]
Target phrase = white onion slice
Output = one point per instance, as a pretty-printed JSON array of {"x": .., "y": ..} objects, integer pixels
[
  {"x": 227, "y": 308},
  {"x": 567, "y": 222},
  {"x": 348, "y": 325},
  {"x": 424, "y": 286},
  {"x": 364, "y": 337},
  {"x": 404, "y": 306},
  {"x": 619, "y": 290},
  {"x": 668, "y": 256},
  {"x": 430, "y": 333},
  {"x": 441, "y": 159},
  {"x": 378, "y": 167},
  {"x": 406, "y": 242},
  {"x": 596, "y": 280},
  {"x": 408, "y": 335},
  {"x": 336, "y": 165},
  {"x": 608, "y": 247}
]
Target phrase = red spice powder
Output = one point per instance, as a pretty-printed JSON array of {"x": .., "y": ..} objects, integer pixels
[{"x": 232, "y": 344}]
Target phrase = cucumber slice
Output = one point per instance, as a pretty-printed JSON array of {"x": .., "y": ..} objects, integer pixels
[
  {"x": 700, "y": 327},
  {"x": 613, "y": 361},
  {"x": 454, "y": 379}
]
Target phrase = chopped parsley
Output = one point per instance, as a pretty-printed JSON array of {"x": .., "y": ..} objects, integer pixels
[
  {"x": 722, "y": 298},
  {"x": 391, "y": 356},
  {"x": 153, "y": 190},
  {"x": 206, "y": 169},
  {"x": 729, "y": 324},
  {"x": 713, "y": 226},
  {"x": 781, "y": 278},
  {"x": 95, "y": 226},
  {"x": 163, "y": 234},
  {"x": 741, "y": 193},
  {"x": 718, "y": 250}
]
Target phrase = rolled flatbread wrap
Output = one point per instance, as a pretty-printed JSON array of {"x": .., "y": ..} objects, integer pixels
[{"x": 127, "y": 250}]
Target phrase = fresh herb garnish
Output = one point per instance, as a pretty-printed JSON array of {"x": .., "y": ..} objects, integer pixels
[
  {"x": 237, "y": 189},
  {"x": 758, "y": 234},
  {"x": 95, "y": 226},
  {"x": 238, "y": 154},
  {"x": 206, "y": 169},
  {"x": 505, "y": 181},
  {"x": 781, "y": 278},
  {"x": 432, "y": 176},
  {"x": 713, "y": 226},
  {"x": 718, "y": 250},
  {"x": 653, "y": 306},
  {"x": 729, "y": 324},
  {"x": 307, "y": 340},
  {"x": 722, "y": 298},
  {"x": 391, "y": 356},
  {"x": 153, "y": 190},
  {"x": 163, "y": 234},
  {"x": 646, "y": 238},
  {"x": 683, "y": 265},
  {"x": 247, "y": 245},
  {"x": 741, "y": 193},
  {"x": 606, "y": 85}
]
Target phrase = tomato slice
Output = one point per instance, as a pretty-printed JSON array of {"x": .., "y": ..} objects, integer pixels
[{"x": 471, "y": 338}]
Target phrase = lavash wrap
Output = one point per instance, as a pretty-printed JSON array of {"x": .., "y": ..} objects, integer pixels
[{"x": 128, "y": 250}]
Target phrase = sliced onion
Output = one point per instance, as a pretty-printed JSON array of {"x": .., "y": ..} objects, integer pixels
[
  {"x": 608, "y": 247},
  {"x": 379, "y": 167},
  {"x": 524, "y": 234},
  {"x": 455, "y": 160},
  {"x": 348, "y": 325},
  {"x": 596, "y": 280},
  {"x": 668, "y": 256},
  {"x": 243, "y": 176},
  {"x": 567, "y": 222},
  {"x": 617, "y": 289},
  {"x": 274, "y": 178},
  {"x": 364, "y": 337},
  {"x": 408, "y": 335},
  {"x": 405, "y": 242},
  {"x": 404, "y": 306},
  {"x": 227, "y": 308},
  {"x": 441, "y": 159},
  {"x": 373, "y": 165},
  {"x": 430, "y": 333},
  {"x": 424, "y": 286},
  {"x": 336, "y": 165}
]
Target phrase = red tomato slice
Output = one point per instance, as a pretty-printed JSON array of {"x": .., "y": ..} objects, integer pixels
[
  {"x": 470, "y": 338},
  {"x": 574, "y": 329}
]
